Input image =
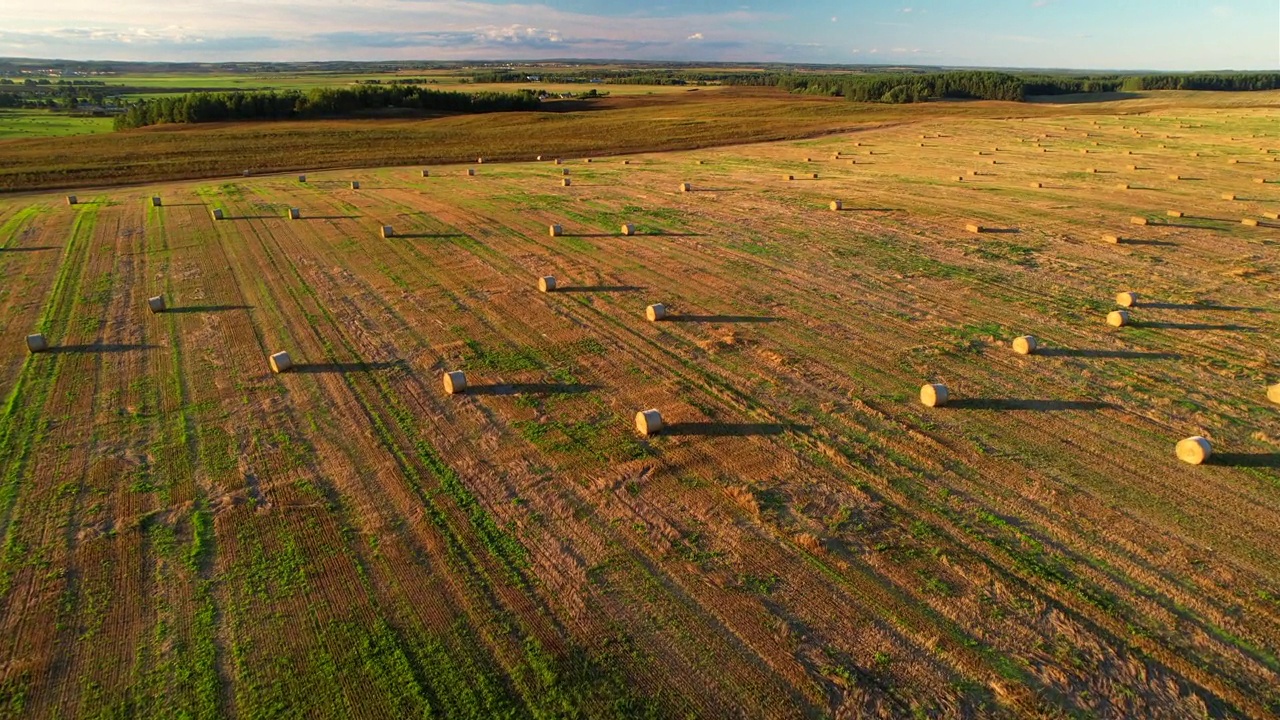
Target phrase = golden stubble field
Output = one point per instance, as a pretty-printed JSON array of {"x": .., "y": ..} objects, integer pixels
[{"x": 185, "y": 532}]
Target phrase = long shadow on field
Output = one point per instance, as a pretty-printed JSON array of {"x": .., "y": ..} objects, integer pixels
[
  {"x": 346, "y": 368},
  {"x": 1022, "y": 404},
  {"x": 100, "y": 348},
  {"x": 207, "y": 308},
  {"x": 1152, "y": 243},
  {"x": 428, "y": 236},
  {"x": 723, "y": 319},
  {"x": 1107, "y": 354},
  {"x": 1189, "y": 306},
  {"x": 531, "y": 389},
  {"x": 29, "y": 249},
  {"x": 330, "y": 217},
  {"x": 714, "y": 429},
  {"x": 869, "y": 209},
  {"x": 174, "y": 204},
  {"x": 601, "y": 289},
  {"x": 1246, "y": 460},
  {"x": 1000, "y": 231},
  {"x": 665, "y": 233},
  {"x": 1193, "y": 326}
]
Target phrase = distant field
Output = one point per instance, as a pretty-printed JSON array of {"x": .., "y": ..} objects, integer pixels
[
  {"x": 23, "y": 124},
  {"x": 186, "y": 534}
]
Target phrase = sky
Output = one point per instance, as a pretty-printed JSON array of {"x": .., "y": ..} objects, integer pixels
[{"x": 1078, "y": 34}]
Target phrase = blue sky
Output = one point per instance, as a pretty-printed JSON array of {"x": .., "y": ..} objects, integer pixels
[{"x": 1086, "y": 34}]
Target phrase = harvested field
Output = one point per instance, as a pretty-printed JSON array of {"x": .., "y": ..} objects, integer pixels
[{"x": 187, "y": 533}]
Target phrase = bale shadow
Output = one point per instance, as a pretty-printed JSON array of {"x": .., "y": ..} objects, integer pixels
[
  {"x": 1024, "y": 404},
  {"x": 1150, "y": 243},
  {"x": 1246, "y": 460},
  {"x": 1107, "y": 354},
  {"x": 329, "y": 217},
  {"x": 1001, "y": 231},
  {"x": 714, "y": 429},
  {"x": 711, "y": 190},
  {"x": 100, "y": 348},
  {"x": 664, "y": 233},
  {"x": 1186, "y": 306},
  {"x": 427, "y": 236},
  {"x": 602, "y": 289},
  {"x": 504, "y": 389},
  {"x": 869, "y": 209},
  {"x": 347, "y": 368},
  {"x": 724, "y": 318},
  {"x": 36, "y": 248},
  {"x": 206, "y": 309},
  {"x": 169, "y": 204},
  {"x": 1194, "y": 326}
]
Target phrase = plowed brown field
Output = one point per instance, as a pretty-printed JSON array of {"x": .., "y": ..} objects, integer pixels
[{"x": 186, "y": 534}]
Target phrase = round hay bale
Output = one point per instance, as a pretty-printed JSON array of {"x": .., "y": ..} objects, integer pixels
[
  {"x": 564, "y": 171},
  {"x": 934, "y": 395},
  {"x": 1233, "y": 161},
  {"x": 547, "y": 283},
  {"x": 648, "y": 422},
  {"x": 426, "y": 173},
  {"x": 655, "y": 312},
  {"x": 626, "y": 162},
  {"x": 813, "y": 176},
  {"x": 555, "y": 230},
  {"x": 72, "y": 200},
  {"x": 36, "y": 343},
  {"x": 557, "y": 161},
  {"x": 479, "y": 161},
  {"x": 699, "y": 162},
  {"x": 388, "y": 232},
  {"x": 155, "y": 201},
  {"x": 788, "y": 177},
  {"x": 1175, "y": 177},
  {"x": 539, "y": 158},
  {"x": 1194, "y": 450},
  {"x": 295, "y": 214},
  {"x": 302, "y": 178},
  {"x": 471, "y": 172},
  {"x": 355, "y": 184},
  {"x": 1273, "y": 393},
  {"x": 281, "y": 362},
  {"x": 836, "y": 205},
  {"x": 628, "y": 229},
  {"x": 1025, "y": 345},
  {"x": 218, "y": 214},
  {"x": 1127, "y": 299},
  {"x": 586, "y": 160},
  {"x": 685, "y": 187},
  {"x": 455, "y": 381},
  {"x": 1260, "y": 181},
  {"x": 1118, "y": 318},
  {"x": 1132, "y": 168},
  {"x": 959, "y": 178},
  {"x": 156, "y": 304},
  {"x": 566, "y": 182},
  {"x": 1037, "y": 185},
  {"x": 1122, "y": 186}
]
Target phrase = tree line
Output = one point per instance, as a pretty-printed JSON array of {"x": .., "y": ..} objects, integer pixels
[{"x": 203, "y": 107}]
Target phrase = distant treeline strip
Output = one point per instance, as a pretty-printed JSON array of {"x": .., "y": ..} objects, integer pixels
[
  {"x": 203, "y": 107},
  {"x": 912, "y": 86}
]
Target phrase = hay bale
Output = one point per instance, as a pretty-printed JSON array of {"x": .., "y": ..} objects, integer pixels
[
  {"x": 959, "y": 178},
  {"x": 1127, "y": 299},
  {"x": 1174, "y": 213},
  {"x": 295, "y": 214},
  {"x": 1132, "y": 168},
  {"x": 1037, "y": 185},
  {"x": 564, "y": 171},
  {"x": 587, "y": 160},
  {"x": 1260, "y": 181},
  {"x": 655, "y": 312},
  {"x": 547, "y": 283},
  {"x": 1175, "y": 177},
  {"x": 1122, "y": 186},
  {"x": 1118, "y": 318},
  {"x": 556, "y": 231},
  {"x": 566, "y": 182},
  {"x": 479, "y": 161},
  {"x": 558, "y": 161},
  {"x": 155, "y": 201},
  {"x": 699, "y": 162},
  {"x": 628, "y": 230},
  {"x": 302, "y": 178},
  {"x": 156, "y": 304},
  {"x": 355, "y": 184},
  {"x": 836, "y": 205},
  {"x": 1194, "y": 450},
  {"x": 626, "y": 162},
  {"x": 685, "y": 187},
  {"x": 1092, "y": 171},
  {"x": 388, "y": 231},
  {"x": 281, "y": 362},
  {"x": 973, "y": 228},
  {"x": 788, "y": 177},
  {"x": 36, "y": 343},
  {"x": 934, "y": 395},
  {"x": 1195, "y": 154},
  {"x": 539, "y": 158},
  {"x": 1249, "y": 222},
  {"x": 471, "y": 172},
  {"x": 72, "y": 200},
  {"x": 1084, "y": 152},
  {"x": 1111, "y": 239},
  {"x": 648, "y": 422},
  {"x": 1233, "y": 161},
  {"x": 1228, "y": 196},
  {"x": 1271, "y": 215},
  {"x": 1135, "y": 220},
  {"x": 217, "y": 214},
  {"x": 1273, "y": 393},
  {"x": 426, "y": 173},
  {"x": 1025, "y": 344},
  {"x": 455, "y": 381}
]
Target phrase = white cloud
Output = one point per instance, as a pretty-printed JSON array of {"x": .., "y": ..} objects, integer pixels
[{"x": 695, "y": 36}]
